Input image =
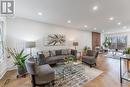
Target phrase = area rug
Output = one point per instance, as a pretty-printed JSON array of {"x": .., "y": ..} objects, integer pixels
[{"x": 76, "y": 77}]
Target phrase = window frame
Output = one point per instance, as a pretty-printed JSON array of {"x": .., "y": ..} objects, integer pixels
[{"x": 1, "y": 41}]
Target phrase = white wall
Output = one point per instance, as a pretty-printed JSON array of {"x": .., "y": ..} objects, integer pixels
[{"x": 20, "y": 30}]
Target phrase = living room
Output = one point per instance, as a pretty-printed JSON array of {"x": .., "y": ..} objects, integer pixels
[{"x": 64, "y": 43}]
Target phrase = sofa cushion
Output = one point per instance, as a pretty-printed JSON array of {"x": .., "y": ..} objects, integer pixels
[
  {"x": 65, "y": 51},
  {"x": 44, "y": 73},
  {"x": 55, "y": 59},
  {"x": 58, "y": 52},
  {"x": 46, "y": 54}
]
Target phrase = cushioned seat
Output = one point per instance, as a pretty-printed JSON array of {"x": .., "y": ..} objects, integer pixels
[
  {"x": 90, "y": 58},
  {"x": 44, "y": 73},
  {"x": 40, "y": 74}
]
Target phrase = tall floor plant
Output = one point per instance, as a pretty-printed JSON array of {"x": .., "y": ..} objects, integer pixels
[{"x": 19, "y": 59}]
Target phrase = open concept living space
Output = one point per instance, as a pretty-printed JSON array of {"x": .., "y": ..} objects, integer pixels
[{"x": 64, "y": 43}]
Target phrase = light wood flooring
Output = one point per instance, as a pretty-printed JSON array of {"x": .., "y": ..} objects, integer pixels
[{"x": 110, "y": 77}]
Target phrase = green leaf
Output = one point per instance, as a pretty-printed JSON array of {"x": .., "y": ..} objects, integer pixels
[{"x": 19, "y": 57}]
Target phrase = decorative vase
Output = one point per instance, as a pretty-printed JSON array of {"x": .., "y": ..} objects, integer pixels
[{"x": 21, "y": 70}]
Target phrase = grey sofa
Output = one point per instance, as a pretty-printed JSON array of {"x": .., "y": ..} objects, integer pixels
[
  {"x": 41, "y": 75},
  {"x": 54, "y": 56},
  {"x": 90, "y": 58}
]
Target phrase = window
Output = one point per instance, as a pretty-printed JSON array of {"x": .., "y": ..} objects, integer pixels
[
  {"x": 118, "y": 41},
  {"x": 1, "y": 42}
]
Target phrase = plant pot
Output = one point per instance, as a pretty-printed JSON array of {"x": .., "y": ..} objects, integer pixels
[{"x": 21, "y": 70}]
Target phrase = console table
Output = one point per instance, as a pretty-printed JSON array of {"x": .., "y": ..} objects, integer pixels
[{"x": 124, "y": 75}]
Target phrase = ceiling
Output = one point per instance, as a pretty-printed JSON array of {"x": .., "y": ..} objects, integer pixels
[{"x": 80, "y": 13}]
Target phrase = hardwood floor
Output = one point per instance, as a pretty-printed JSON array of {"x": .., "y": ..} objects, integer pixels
[{"x": 110, "y": 77}]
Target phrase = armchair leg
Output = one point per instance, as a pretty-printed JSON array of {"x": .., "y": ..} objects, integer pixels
[
  {"x": 53, "y": 82},
  {"x": 90, "y": 66},
  {"x": 33, "y": 85},
  {"x": 33, "y": 81}
]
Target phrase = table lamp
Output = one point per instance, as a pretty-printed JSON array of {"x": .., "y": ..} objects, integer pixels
[
  {"x": 75, "y": 44},
  {"x": 30, "y": 45}
]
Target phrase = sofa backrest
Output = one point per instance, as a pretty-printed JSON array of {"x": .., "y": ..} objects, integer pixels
[{"x": 44, "y": 54}]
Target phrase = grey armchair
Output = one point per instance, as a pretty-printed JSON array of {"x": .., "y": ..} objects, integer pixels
[
  {"x": 90, "y": 58},
  {"x": 41, "y": 75}
]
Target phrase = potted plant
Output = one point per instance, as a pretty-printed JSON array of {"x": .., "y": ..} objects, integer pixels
[
  {"x": 127, "y": 51},
  {"x": 70, "y": 58},
  {"x": 107, "y": 43},
  {"x": 19, "y": 59},
  {"x": 85, "y": 50}
]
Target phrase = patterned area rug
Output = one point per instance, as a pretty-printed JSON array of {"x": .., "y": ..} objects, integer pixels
[{"x": 74, "y": 75}]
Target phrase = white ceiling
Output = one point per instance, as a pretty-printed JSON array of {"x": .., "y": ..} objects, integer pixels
[{"x": 78, "y": 11}]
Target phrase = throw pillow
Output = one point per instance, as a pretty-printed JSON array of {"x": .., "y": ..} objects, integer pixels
[
  {"x": 46, "y": 54},
  {"x": 41, "y": 59},
  {"x": 65, "y": 52},
  {"x": 69, "y": 51},
  {"x": 52, "y": 53}
]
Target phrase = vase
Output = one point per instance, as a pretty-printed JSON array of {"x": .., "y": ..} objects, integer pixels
[{"x": 21, "y": 70}]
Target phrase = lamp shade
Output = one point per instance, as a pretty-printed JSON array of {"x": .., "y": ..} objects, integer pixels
[
  {"x": 75, "y": 43},
  {"x": 30, "y": 44}
]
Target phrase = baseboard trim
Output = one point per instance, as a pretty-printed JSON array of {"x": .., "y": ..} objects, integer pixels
[
  {"x": 6, "y": 70},
  {"x": 3, "y": 73}
]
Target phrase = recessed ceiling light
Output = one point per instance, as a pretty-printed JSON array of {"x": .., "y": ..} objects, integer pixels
[
  {"x": 111, "y": 18},
  {"x": 85, "y": 26},
  {"x": 69, "y": 21},
  {"x": 95, "y": 7},
  {"x": 119, "y": 23},
  {"x": 39, "y": 13},
  {"x": 95, "y": 28},
  {"x": 124, "y": 27}
]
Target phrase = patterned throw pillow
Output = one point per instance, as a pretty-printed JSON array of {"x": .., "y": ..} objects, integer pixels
[{"x": 41, "y": 59}]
